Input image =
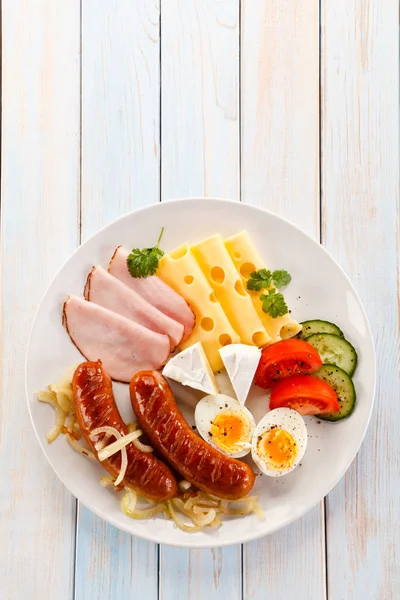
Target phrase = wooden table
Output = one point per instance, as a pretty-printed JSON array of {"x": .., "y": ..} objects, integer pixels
[{"x": 109, "y": 105}]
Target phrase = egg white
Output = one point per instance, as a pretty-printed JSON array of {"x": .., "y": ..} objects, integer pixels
[{"x": 206, "y": 411}]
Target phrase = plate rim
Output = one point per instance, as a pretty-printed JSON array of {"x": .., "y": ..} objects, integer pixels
[{"x": 296, "y": 514}]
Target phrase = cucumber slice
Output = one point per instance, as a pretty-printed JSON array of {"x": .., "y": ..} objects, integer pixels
[
  {"x": 343, "y": 386},
  {"x": 335, "y": 350},
  {"x": 318, "y": 326}
]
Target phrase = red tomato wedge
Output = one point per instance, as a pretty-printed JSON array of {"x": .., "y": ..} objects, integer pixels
[
  {"x": 286, "y": 358},
  {"x": 306, "y": 394}
]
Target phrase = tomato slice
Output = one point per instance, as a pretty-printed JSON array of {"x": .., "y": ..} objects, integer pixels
[
  {"x": 284, "y": 359},
  {"x": 306, "y": 394}
]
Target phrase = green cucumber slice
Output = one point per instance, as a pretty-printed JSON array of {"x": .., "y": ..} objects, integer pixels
[
  {"x": 335, "y": 350},
  {"x": 343, "y": 386},
  {"x": 318, "y": 326}
]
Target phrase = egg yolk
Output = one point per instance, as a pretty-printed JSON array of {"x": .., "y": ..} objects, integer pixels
[
  {"x": 229, "y": 430},
  {"x": 277, "y": 448}
]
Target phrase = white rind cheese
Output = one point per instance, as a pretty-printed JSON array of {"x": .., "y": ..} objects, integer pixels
[
  {"x": 191, "y": 368},
  {"x": 241, "y": 362}
]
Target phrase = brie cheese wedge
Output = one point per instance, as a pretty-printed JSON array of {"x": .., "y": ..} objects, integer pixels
[
  {"x": 191, "y": 368},
  {"x": 241, "y": 362}
]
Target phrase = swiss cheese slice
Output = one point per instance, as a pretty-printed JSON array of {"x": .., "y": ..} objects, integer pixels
[
  {"x": 223, "y": 277},
  {"x": 246, "y": 260},
  {"x": 180, "y": 270}
]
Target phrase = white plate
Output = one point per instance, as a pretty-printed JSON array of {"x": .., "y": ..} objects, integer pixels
[{"x": 320, "y": 289}]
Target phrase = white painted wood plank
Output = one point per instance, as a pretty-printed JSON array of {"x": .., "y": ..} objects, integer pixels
[
  {"x": 40, "y": 195},
  {"x": 120, "y": 112},
  {"x": 280, "y": 108},
  {"x": 280, "y": 171},
  {"x": 120, "y": 172},
  {"x": 200, "y": 157},
  {"x": 198, "y": 574},
  {"x": 200, "y": 107},
  {"x": 360, "y": 215}
]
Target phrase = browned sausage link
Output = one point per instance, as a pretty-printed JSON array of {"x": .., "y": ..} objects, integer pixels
[
  {"x": 95, "y": 407},
  {"x": 168, "y": 432}
]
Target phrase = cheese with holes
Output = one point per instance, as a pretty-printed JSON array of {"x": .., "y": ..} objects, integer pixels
[
  {"x": 223, "y": 277},
  {"x": 246, "y": 260},
  {"x": 180, "y": 270},
  {"x": 191, "y": 368},
  {"x": 241, "y": 362}
]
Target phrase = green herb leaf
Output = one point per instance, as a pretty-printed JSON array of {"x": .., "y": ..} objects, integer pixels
[
  {"x": 281, "y": 278},
  {"x": 259, "y": 280},
  {"x": 143, "y": 263},
  {"x": 274, "y": 304}
]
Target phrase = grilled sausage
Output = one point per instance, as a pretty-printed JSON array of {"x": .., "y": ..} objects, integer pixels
[
  {"x": 168, "y": 432},
  {"x": 95, "y": 407}
]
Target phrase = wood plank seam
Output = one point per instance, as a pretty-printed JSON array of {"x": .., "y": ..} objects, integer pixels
[
  {"x": 320, "y": 125},
  {"x": 79, "y": 235},
  {"x": 158, "y": 550},
  {"x": 240, "y": 200}
]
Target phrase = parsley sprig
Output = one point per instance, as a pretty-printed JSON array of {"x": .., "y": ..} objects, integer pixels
[
  {"x": 273, "y": 302},
  {"x": 143, "y": 263},
  {"x": 264, "y": 278}
]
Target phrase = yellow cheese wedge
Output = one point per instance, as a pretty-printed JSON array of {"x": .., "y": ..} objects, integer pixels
[
  {"x": 246, "y": 260},
  {"x": 223, "y": 277},
  {"x": 180, "y": 270}
]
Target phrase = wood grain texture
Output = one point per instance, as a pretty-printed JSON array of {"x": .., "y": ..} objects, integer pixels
[
  {"x": 200, "y": 74},
  {"x": 120, "y": 109},
  {"x": 280, "y": 108},
  {"x": 361, "y": 228},
  {"x": 120, "y": 172},
  {"x": 200, "y": 157},
  {"x": 40, "y": 185},
  {"x": 198, "y": 574},
  {"x": 280, "y": 171},
  {"x": 112, "y": 564},
  {"x": 201, "y": 47}
]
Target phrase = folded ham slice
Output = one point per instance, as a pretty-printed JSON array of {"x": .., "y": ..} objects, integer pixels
[
  {"x": 155, "y": 291},
  {"x": 107, "y": 291},
  {"x": 124, "y": 347}
]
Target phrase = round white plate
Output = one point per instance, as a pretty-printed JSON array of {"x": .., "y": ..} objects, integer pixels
[{"x": 319, "y": 289}]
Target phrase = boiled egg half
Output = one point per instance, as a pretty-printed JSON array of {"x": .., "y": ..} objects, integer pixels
[
  {"x": 279, "y": 442},
  {"x": 225, "y": 424}
]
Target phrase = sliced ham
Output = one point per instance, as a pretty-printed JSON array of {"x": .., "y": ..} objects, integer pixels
[
  {"x": 124, "y": 347},
  {"x": 155, "y": 291},
  {"x": 108, "y": 291}
]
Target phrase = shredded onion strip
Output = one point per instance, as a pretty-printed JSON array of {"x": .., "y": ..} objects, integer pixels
[
  {"x": 104, "y": 452},
  {"x": 184, "y": 485},
  {"x": 142, "y": 447},
  {"x": 118, "y": 445},
  {"x": 79, "y": 448},
  {"x": 100, "y": 445},
  {"x": 133, "y": 426},
  {"x": 60, "y": 396},
  {"x": 129, "y": 502},
  {"x": 47, "y": 397},
  {"x": 179, "y": 523},
  {"x": 106, "y": 481},
  {"x": 124, "y": 457},
  {"x": 57, "y": 427},
  {"x": 106, "y": 429}
]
